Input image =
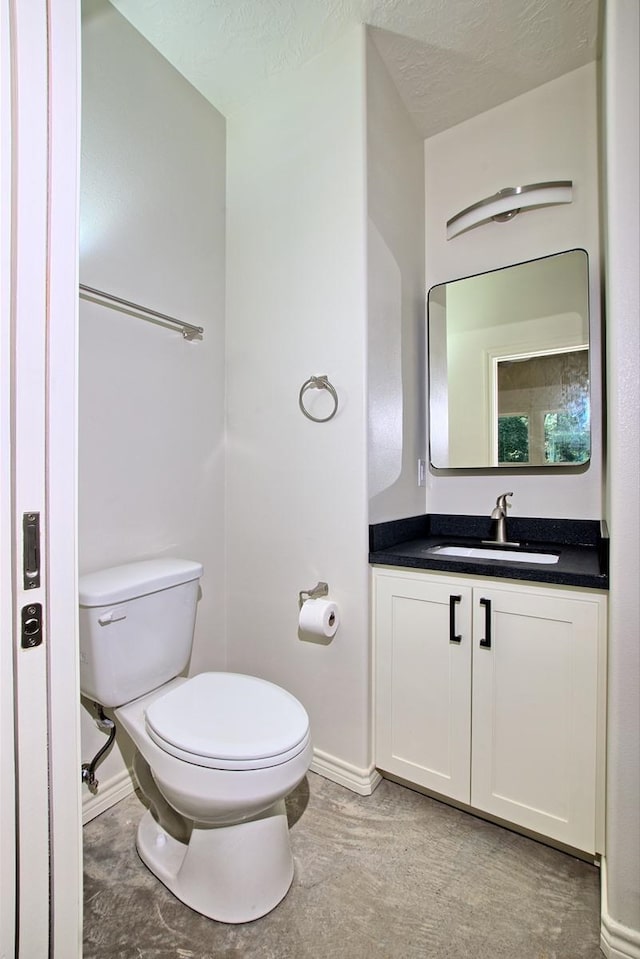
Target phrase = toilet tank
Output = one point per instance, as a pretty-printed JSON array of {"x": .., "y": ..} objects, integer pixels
[{"x": 136, "y": 627}]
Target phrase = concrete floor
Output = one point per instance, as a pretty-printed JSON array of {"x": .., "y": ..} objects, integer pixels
[{"x": 390, "y": 876}]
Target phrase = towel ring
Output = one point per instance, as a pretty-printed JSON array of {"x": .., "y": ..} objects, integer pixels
[{"x": 318, "y": 383}]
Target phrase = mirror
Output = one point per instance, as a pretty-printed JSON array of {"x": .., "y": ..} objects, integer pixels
[{"x": 509, "y": 366}]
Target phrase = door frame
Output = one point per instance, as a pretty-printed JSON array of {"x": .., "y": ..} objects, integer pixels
[
  {"x": 7, "y": 744},
  {"x": 40, "y": 810}
]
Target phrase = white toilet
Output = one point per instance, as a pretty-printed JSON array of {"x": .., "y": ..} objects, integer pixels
[{"x": 218, "y": 752}]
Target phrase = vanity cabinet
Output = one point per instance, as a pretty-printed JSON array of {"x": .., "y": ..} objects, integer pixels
[{"x": 492, "y": 693}]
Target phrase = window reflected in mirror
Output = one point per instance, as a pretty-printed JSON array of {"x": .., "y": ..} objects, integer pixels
[{"x": 542, "y": 409}]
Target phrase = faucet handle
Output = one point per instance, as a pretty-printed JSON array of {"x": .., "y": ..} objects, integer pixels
[{"x": 501, "y": 502}]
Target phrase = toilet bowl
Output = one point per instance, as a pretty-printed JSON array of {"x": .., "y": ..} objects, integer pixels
[
  {"x": 218, "y": 752},
  {"x": 236, "y": 864}
]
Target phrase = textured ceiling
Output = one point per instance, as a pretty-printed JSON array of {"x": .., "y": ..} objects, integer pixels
[{"x": 450, "y": 59}]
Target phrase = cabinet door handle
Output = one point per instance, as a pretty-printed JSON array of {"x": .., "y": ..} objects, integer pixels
[
  {"x": 453, "y": 601},
  {"x": 486, "y": 642}
]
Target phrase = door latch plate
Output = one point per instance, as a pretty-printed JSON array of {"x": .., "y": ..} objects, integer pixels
[{"x": 30, "y": 550}]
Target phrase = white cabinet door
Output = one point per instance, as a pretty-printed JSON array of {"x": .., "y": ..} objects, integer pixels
[
  {"x": 535, "y": 711},
  {"x": 501, "y": 707},
  {"x": 423, "y": 677}
]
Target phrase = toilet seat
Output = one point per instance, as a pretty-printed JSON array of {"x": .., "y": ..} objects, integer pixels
[{"x": 228, "y": 721}]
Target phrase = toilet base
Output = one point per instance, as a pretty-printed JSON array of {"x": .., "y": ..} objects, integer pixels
[{"x": 229, "y": 873}]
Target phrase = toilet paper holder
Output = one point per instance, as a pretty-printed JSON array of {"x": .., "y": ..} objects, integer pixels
[{"x": 320, "y": 589}]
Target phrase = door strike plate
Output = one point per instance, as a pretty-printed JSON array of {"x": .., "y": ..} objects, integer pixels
[{"x": 31, "y": 625}]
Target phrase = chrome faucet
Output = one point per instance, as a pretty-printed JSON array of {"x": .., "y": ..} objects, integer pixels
[{"x": 499, "y": 522}]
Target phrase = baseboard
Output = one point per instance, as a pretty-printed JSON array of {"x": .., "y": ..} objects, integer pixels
[
  {"x": 616, "y": 941},
  {"x": 110, "y": 791},
  {"x": 361, "y": 781}
]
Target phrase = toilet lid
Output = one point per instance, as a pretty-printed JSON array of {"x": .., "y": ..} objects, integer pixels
[{"x": 229, "y": 721}]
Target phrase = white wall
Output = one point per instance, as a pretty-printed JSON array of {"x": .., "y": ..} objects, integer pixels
[
  {"x": 395, "y": 299},
  {"x": 151, "y": 471},
  {"x": 621, "y": 903},
  {"x": 296, "y": 490},
  {"x": 550, "y": 133}
]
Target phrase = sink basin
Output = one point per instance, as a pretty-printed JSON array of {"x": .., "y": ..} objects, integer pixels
[{"x": 487, "y": 552}]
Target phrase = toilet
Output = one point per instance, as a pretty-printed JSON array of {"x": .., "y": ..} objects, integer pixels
[{"x": 217, "y": 753}]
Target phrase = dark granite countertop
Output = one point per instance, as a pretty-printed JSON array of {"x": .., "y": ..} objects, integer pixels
[{"x": 582, "y": 547}]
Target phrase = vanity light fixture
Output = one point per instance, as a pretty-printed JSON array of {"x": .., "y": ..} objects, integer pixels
[{"x": 506, "y": 203}]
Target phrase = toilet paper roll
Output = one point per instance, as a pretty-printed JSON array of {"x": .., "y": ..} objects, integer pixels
[{"x": 319, "y": 617}]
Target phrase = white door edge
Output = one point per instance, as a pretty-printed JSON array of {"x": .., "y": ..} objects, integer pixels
[{"x": 62, "y": 472}]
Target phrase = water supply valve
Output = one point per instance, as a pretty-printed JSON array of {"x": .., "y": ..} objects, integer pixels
[{"x": 88, "y": 770}]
